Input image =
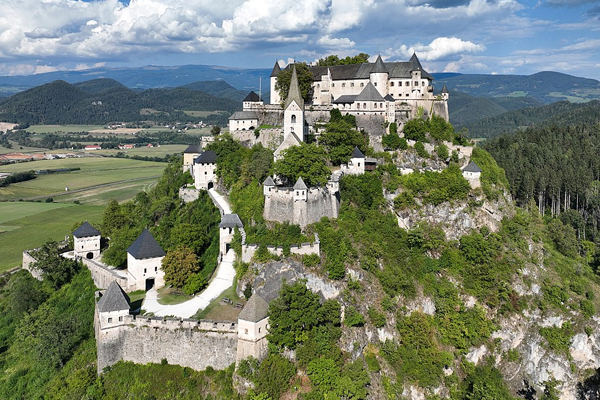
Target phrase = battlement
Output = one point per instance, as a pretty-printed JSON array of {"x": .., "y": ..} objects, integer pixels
[{"x": 131, "y": 321}]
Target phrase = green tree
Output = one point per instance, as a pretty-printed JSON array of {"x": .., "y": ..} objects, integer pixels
[
  {"x": 215, "y": 130},
  {"x": 179, "y": 265},
  {"x": 274, "y": 375},
  {"x": 57, "y": 270},
  {"x": 306, "y": 161},
  {"x": 335, "y": 60},
  {"x": 305, "y": 80},
  {"x": 341, "y": 137}
]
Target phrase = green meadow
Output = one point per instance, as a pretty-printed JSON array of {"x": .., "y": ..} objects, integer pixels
[
  {"x": 161, "y": 151},
  {"x": 94, "y": 171},
  {"x": 32, "y": 224}
]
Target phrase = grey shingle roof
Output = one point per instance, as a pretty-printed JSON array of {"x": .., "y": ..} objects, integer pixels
[
  {"x": 294, "y": 92},
  {"x": 244, "y": 115},
  {"x": 291, "y": 140},
  {"x": 256, "y": 309},
  {"x": 369, "y": 93},
  {"x": 269, "y": 181},
  {"x": 389, "y": 98},
  {"x": 114, "y": 299},
  {"x": 86, "y": 230},
  {"x": 416, "y": 62},
  {"x": 357, "y": 153},
  {"x": 346, "y": 98},
  {"x": 208, "y": 157},
  {"x": 252, "y": 96},
  {"x": 231, "y": 221},
  {"x": 379, "y": 66},
  {"x": 276, "y": 70},
  {"x": 145, "y": 246},
  {"x": 472, "y": 167},
  {"x": 300, "y": 185},
  {"x": 444, "y": 89},
  {"x": 193, "y": 148}
]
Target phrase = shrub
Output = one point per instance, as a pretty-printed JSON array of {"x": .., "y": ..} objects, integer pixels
[
  {"x": 558, "y": 339},
  {"x": 353, "y": 317},
  {"x": 421, "y": 152},
  {"x": 311, "y": 260},
  {"x": 377, "y": 319}
]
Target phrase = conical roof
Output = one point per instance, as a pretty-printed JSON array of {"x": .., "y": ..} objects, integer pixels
[
  {"x": 269, "y": 182},
  {"x": 294, "y": 92},
  {"x": 145, "y": 246},
  {"x": 357, "y": 153},
  {"x": 231, "y": 221},
  {"x": 369, "y": 93},
  {"x": 86, "y": 230},
  {"x": 276, "y": 70},
  {"x": 114, "y": 299},
  {"x": 416, "y": 63},
  {"x": 252, "y": 97},
  {"x": 300, "y": 185},
  {"x": 444, "y": 89},
  {"x": 379, "y": 66},
  {"x": 472, "y": 167},
  {"x": 256, "y": 309}
]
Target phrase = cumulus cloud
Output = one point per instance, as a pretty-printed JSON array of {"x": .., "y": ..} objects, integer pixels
[
  {"x": 439, "y": 48},
  {"x": 339, "y": 43}
]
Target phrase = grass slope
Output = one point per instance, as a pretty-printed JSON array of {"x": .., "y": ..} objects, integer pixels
[{"x": 56, "y": 223}]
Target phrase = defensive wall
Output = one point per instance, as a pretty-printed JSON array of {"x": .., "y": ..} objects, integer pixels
[
  {"x": 189, "y": 343},
  {"x": 280, "y": 206},
  {"x": 248, "y": 250},
  {"x": 103, "y": 276},
  {"x": 27, "y": 261}
]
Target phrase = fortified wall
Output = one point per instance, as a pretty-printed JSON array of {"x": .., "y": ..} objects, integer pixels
[
  {"x": 189, "y": 343},
  {"x": 281, "y": 206},
  {"x": 248, "y": 250},
  {"x": 103, "y": 276}
]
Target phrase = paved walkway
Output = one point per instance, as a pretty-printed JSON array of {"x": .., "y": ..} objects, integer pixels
[
  {"x": 223, "y": 203},
  {"x": 222, "y": 281}
]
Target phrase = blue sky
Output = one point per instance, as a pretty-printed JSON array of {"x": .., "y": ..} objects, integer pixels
[{"x": 466, "y": 36}]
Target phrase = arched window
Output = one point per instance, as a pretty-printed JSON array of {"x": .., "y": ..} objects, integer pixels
[{"x": 293, "y": 119}]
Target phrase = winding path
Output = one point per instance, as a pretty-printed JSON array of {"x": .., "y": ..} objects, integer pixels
[{"x": 221, "y": 281}]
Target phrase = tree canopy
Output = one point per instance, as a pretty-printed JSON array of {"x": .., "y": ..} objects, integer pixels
[
  {"x": 305, "y": 80},
  {"x": 336, "y": 60},
  {"x": 306, "y": 161}
]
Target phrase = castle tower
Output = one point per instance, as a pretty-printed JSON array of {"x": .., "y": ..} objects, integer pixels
[
  {"x": 357, "y": 162},
  {"x": 379, "y": 77},
  {"x": 251, "y": 101},
  {"x": 275, "y": 99},
  {"x": 416, "y": 74},
  {"x": 472, "y": 173},
  {"x": 204, "y": 170},
  {"x": 253, "y": 323},
  {"x": 110, "y": 315},
  {"x": 268, "y": 185},
  {"x": 293, "y": 114},
  {"x": 189, "y": 155},
  {"x": 445, "y": 93},
  {"x": 86, "y": 241},
  {"x": 226, "y": 231},
  {"x": 144, "y": 258},
  {"x": 300, "y": 191}
]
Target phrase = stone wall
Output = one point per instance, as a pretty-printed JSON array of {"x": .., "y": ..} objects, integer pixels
[
  {"x": 189, "y": 343},
  {"x": 248, "y": 250},
  {"x": 27, "y": 261},
  {"x": 280, "y": 206},
  {"x": 188, "y": 194},
  {"x": 103, "y": 276}
]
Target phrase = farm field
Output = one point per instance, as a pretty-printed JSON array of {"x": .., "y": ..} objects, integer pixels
[
  {"x": 94, "y": 171},
  {"x": 161, "y": 151},
  {"x": 62, "y": 128},
  {"x": 100, "y": 196},
  {"x": 25, "y": 229},
  {"x": 22, "y": 149}
]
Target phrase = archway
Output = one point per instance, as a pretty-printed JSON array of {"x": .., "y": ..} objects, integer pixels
[
  {"x": 293, "y": 119},
  {"x": 149, "y": 283},
  {"x": 210, "y": 185},
  {"x": 89, "y": 255}
]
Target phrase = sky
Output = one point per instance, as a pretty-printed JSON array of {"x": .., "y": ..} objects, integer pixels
[{"x": 465, "y": 36}]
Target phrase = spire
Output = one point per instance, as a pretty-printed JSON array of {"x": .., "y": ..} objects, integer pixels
[
  {"x": 379, "y": 66},
  {"x": 294, "y": 93},
  {"x": 444, "y": 89},
  {"x": 256, "y": 309},
  {"x": 300, "y": 185},
  {"x": 276, "y": 70},
  {"x": 357, "y": 153},
  {"x": 416, "y": 62},
  {"x": 114, "y": 299}
]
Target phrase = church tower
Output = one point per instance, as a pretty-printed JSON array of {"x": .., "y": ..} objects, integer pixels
[{"x": 293, "y": 114}]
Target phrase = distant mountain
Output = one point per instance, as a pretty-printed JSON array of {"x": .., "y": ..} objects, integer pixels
[
  {"x": 218, "y": 89},
  {"x": 546, "y": 87},
  {"x": 147, "y": 77},
  {"x": 560, "y": 113},
  {"x": 101, "y": 101}
]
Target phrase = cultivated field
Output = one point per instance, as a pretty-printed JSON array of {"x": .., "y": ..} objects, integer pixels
[
  {"x": 63, "y": 128},
  {"x": 100, "y": 196},
  {"x": 161, "y": 151},
  {"x": 32, "y": 224},
  {"x": 94, "y": 171}
]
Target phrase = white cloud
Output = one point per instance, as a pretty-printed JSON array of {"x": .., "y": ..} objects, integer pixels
[
  {"x": 335, "y": 43},
  {"x": 439, "y": 48}
]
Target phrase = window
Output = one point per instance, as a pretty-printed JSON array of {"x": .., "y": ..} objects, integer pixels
[
  {"x": 144, "y": 270},
  {"x": 293, "y": 119},
  {"x": 205, "y": 172},
  {"x": 375, "y": 84},
  {"x": 375, "y": 105},
  {"x": 343, "y": 85},
  {"x": 297, "y": 193},
  {"x": 351, "y": 84},
  {"x": 155, "y": 269},
  {"x": 120, "y": 319},
  {"x": 416, "y": 83},
  {"x": 364, "y": 105},
  {"x": 406, "y": 83},
  {"x": 392, "y": 84},
  {"x": 258, "y": 330},
  {"x": 362, "y": 84},
  {"x": 358, "y": 105},
  {"x": 332, "y": 84},
  {"x": 246, "y": 331},
  {"x": 422, "y": 83},
  {"x": 109, "y": 320}
]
